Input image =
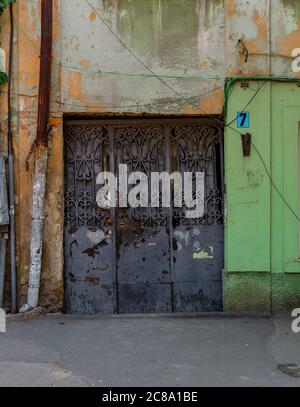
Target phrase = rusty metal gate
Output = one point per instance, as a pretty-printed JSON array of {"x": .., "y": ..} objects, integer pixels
[{"x": 142, "y": 259}]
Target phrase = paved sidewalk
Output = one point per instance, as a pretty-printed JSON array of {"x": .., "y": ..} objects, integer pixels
[{"x": 158, "y": 351}]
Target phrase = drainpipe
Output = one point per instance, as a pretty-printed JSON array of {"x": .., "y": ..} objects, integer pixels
[
  {"x": 41, "y": 157},
  {"x": 11, "y": 191},
  {"x": 4, "y": 222},
  {"x": 2, "y": 267}
]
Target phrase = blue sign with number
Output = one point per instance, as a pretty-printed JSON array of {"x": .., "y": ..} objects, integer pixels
[{"x": 243, "y": 120}]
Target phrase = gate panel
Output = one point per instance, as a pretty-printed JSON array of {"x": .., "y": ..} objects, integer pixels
[
  {"x": 198, "y": 243},
  {"x": 143, "y": 243},
  {"x": 89, "y": 254},
  {"x": 198, "y": 263}
]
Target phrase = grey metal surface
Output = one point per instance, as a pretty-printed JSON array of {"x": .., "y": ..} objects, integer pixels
[
  {"x": 197, "y": 243},
  {"x": 4, "y": 222},
  {"x": 3, "y": 240},
  {"x": 88, "y": 271},
  {"x": 198, "y": 263},
  {"x": 143, "y": 246},
  {"x": 88, "y": 232},
  {"x": 4, "y": 215},
  {"x": 144, "y": 275},
  {"x": 154, "y": 260}
]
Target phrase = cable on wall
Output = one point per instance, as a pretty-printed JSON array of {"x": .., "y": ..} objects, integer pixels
[{"x": 190, "y": 102}]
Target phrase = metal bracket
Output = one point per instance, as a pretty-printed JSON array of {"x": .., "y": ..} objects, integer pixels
[{"x": 246, "y": 144}]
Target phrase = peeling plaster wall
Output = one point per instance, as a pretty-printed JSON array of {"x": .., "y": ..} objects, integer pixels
[
  {"x": 172, "y": 39},
  {"x": 190, "y": 39},
  {"x": 24, "y": 106},
  {"x": 185, "y": 41}
]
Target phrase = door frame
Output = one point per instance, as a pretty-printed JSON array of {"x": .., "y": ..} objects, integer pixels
[{"x": 112, "y": 119}]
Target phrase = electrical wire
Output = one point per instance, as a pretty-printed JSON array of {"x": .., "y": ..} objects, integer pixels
[
  {"x": 141, "y": 61},
  {"x": 181, "y": 98},
  {"x": 161, "y": 102},
  {"x": 250, "y": 101},
  {"x": 128, "y": 74},
  {"x": 273, "y": 184},
  {"x": 136, "y": 74},
  {"x": 121, "y": 106},
  {"x": 147, "y": 67},
  {"x": 190, "y": 102}
]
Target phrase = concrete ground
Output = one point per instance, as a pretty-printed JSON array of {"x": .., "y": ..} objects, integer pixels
[{"x": 150, "y": 351}]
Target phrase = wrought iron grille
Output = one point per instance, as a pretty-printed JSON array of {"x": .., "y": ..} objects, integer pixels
[
  {"x": 143, "y": 149},
  {"x": 198, "y": 148},
  {"x": 146, "y": 146},
  {"x": 86, "y": 152}
]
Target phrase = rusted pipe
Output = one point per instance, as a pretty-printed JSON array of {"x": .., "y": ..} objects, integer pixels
[
  {"x": 4, "y": 222},
  {"x": 41, "y": 157},
  {"x": 3, "y": 240},
  {"x": 11, "y": 181},
  {"x": 45, "y": 70}
]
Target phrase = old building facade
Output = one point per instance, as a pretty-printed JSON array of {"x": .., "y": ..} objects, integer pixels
[{"x": 146, "y": 80}]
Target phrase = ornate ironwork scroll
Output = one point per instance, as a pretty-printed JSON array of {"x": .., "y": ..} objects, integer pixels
[
  {"x": 145, "y": 146},
  {"x": 86, "y": 155},
  {"x": 198, "y": 148}
]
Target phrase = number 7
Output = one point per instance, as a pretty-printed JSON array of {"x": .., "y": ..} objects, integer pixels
[{"x": 244, "y": 117}]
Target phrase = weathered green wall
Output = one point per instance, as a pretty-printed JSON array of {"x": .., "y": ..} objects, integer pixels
[{"x": 262, "y": 265}]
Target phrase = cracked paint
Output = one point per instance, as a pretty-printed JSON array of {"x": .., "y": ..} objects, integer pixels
[{"x": 204, "y": 254}]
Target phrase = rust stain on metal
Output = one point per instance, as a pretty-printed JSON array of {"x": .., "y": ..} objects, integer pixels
[
  {"x": 92, "y": 280},
  {"x": 93, "y": 251},
  {"x": 72, "y": 230},
  {"x": 45, "y": 70}
]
